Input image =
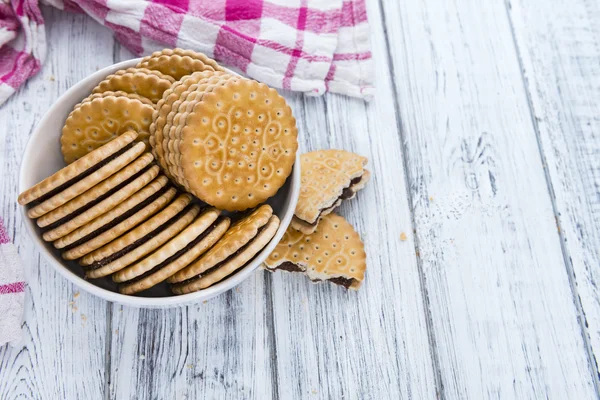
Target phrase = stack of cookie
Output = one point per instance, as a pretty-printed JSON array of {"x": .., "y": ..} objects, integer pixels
[
  {"x": 117, "y": 215},
  {"x": 154, "y": 154},
  {"x": 319, "y": 243}
]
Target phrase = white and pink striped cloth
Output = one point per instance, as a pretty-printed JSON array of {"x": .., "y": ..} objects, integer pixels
[
  {"x": 311, "y": 46},
  {"x": 12, "y": 290}
]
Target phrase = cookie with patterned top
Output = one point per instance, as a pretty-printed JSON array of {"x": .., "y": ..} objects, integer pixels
[
  {"x": 98, "y": 121},
  {"x": 238, "y": 145},
  {"x": 148, "y": 85},
  {"x": 178, "y": 62},
  {"x": 328, "y": 177},
  {"x": 118, "y": 93},
  {"x": 334, "y": 252}
]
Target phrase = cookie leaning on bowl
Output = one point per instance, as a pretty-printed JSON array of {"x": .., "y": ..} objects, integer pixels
[
  {"x": 333, "y": 252},
  {"x": 328, "y": 177}
]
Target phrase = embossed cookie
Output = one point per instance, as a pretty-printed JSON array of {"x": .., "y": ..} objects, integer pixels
[
  {"x": 327, "y": 178},
  {"x": 100, "y": 120},
  {"x": 118, "y": 93},
  {"x": 69, "y": 191},
  {"x": 89, "y": 167},
  {"x": 238, "y": 145},
  {"x": 142, "y": 240},
  {"x": 164, "y": 106},
  {"x": 147, "y": 85},
  {"x": 333, "y": 252},
  {"x": 178, "y": 62},
  {"x": 176, "y": 120},
  {"x": 174, "y": 255},
  {"x": 239, "y": 235}
]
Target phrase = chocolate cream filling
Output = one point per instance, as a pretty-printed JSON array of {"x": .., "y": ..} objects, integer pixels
[
  {"x": 291, "y": 267},
  {"x": 118, "y": 219},
  {"x": 81, "y": 176},
  {"x": 97, "y": 200},
  {"x": 219, "y": 265},
  {"x": 346, "y": 194},
  {"x": 139, "y": 242},
  {"x": 178, "y": 254}
]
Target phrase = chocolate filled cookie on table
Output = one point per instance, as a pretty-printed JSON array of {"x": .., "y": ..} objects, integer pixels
[
  {"x": 333, "y": 252},
  {"x": 328, "y": 177}
]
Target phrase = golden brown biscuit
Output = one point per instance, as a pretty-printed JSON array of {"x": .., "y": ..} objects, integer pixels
[
  {"x": 238, "y": 145},
  {"x": 100, "y": 120},
  {"x": 150, "y": 86},
  {"x": 327, "y": 178},
  {"x": 334, "y": 252},
  {"x": 178, "y": 62}
]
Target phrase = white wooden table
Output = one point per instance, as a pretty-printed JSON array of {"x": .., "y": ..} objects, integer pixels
[{"x": 484, "y": 141}]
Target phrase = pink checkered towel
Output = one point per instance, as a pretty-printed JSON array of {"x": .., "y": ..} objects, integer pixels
[
  {"x": 311, "y": 46},
  {"x": 12, "y": 290}
]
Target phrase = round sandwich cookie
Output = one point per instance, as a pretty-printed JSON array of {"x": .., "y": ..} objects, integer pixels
[
  {"x": 76, "y": 187},
  {"x": 236, "y": 261},
  {"x": 172, "y": 130},
  {"x": 141, "y": 240},
  {"x": 100, "y": 120},
  {"x": 241, "y": 233},
  {"x": 99, "y": 206},
  {"x": 327, "y": 178},
  {"x": 118, "y": 93},
  {"x": 238, "y": 145},
  {"x": 124, "y": 216},
  {"x": 77, "y": 171},
  {"x": 164, "y": 106},
  {"x": 97, "y": 192},
  {"x": 147, "y": 85},
  {"x": 177, "y": 253},
  {"x": 80, "y": 250},
  {"x": 333, "y": 252},
  {"x": 178, "y": 62}
]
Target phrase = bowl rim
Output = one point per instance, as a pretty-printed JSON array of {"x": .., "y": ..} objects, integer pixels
[{"x": 138, "y": 301}]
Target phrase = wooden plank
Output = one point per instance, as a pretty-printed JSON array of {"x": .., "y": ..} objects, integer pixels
[
  {"x": 63, "y": 351},
  {"x": 372, "y": 344},
  {"x": 559, "y": 45},
  {"x": 504, "y": 319},
  {"x": 221, "y": 349}
]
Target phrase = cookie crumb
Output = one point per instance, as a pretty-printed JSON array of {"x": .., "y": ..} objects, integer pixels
[
  {"x": 237, "y": 289},
  {"x": 75, "y": 295},
  {"x": 51, "y": 78},
  {"x": 116, "y": 331},
  {"x": 430, "y": 198},
  {"x": 205, "y": 301},
  {"x": 403, "y": 236},
  {"x": 314, "y": 391},
  {"x": 83, "y": 317},
  {"x": 190, "y": 366}
]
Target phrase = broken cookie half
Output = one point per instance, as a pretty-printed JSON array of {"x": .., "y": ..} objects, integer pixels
[
  {"x": 328, "y": 178},
  {"x": 333, "y": 252}
]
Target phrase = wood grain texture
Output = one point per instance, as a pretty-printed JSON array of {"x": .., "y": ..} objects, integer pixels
[
  {"x": 559, "y": 46},
  {"x": 63, "y": 351},
  {"x": 503, "y": 316},
  {"x": 370, "y": 344}
]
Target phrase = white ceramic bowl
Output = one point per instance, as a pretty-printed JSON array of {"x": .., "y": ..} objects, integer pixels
[{"x": 42, "y": 157}]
